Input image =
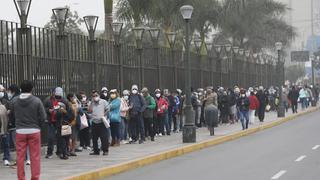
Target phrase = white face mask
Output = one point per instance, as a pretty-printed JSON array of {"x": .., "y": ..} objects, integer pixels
[
  {"x": 158, "y": 95},
  {"x": 105, "y": 94},
  {"x": 134, "y": 91},
  {"x": 126, "y": 97},
  {"x": 1, "y": 94},
  {"x": 243, "y": 95},
  {"x": 96, "y": 99},
  {"x": 10, "y": 95}
]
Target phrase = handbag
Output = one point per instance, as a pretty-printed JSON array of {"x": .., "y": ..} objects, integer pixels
[
  {"x": 268, "y": 107},
  {"x": 84, "y": 122},
  {"x": 106, "y": 122},
  {"x": 66, "y": 130}
]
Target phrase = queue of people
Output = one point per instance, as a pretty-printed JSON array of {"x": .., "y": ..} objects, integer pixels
[{"x": 78, "y": 121}]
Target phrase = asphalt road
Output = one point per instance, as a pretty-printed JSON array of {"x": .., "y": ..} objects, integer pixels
[{"x": 285, "y": 152}]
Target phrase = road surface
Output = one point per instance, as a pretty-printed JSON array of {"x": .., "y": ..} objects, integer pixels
[{"x": 290, "y": 151}]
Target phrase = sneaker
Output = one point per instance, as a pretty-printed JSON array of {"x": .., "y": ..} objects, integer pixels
[
  {"x": 105, "y": 154},
  {"x": 152, "y": 138},
  {"x": 94, "y": 153},
  {"x": 48, "y": 156},
  {"x": 141, "y": 141},
  {"x": 28, "y": 162},
  {"x": 160, "y": 134},
  {"x": 88, "y": 148},
  {"x": 6, "y": 163},
  {"x": 73, "y": 154}
]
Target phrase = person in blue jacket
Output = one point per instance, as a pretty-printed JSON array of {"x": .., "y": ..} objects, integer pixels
[{"x": 114, "y": 116}]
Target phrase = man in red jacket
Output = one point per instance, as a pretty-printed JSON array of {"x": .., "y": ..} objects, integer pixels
[{"x": 254, "y": 105}]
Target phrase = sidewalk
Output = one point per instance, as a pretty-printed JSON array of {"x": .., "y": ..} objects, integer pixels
[{"x": 53, "y": 169}]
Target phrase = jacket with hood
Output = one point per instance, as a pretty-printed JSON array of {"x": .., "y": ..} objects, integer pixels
[
  {"x": 3, "y": 119},
  {"x": 28, "y": 111}
]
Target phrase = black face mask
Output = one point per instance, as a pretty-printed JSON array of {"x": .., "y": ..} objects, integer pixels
[{"x": 58, "y": 97}]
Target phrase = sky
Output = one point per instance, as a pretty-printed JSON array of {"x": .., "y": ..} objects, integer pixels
[{"x": 41, "y": 11}]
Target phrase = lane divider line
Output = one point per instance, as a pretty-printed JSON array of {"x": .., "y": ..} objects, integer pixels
[
  {"x": 300, "y": 158},
  {"x": 108, "y": 171},
  {"x": 279, "y": 174},
  {"x": 315, "y": 147}
]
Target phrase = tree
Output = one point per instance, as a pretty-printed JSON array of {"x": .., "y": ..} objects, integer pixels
[
  {"x": 73, "y": 23},
  {"x": 108, "y": 9}
]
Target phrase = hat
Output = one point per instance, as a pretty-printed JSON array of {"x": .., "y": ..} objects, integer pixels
[
  {"x": 134, "y": 87},
  {"x": 144, "y": 90},
  {"x": 179, "y": 91},
  {"x": 113, "y": 91},
  {"x": 157, "y": 91},
  {"x": 104, "y": 89},
  {"x": 58, "y": 91},
  {"x": 126, "y": 92}
]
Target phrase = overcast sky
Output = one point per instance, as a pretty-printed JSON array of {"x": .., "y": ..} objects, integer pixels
[{"x": 41, "y": 11}]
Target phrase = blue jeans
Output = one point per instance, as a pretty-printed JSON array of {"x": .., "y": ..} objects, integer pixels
[
  {"x": 5, "y": 139},
  {"x": 244, "y": 118},
  {"x": 123, "y": 128},
  {"x": 304, "y": 103}
]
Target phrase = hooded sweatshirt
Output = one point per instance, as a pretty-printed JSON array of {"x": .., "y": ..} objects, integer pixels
[
  {"x": 28, "y": 111},
  {"x": 3, "y": 119}
]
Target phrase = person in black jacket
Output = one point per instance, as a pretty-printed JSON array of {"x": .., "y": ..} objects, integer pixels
[
  {"x": 263, "y": 100},
  {"x": 243, "y": 104},
  {"x": 293, "y": 97}
]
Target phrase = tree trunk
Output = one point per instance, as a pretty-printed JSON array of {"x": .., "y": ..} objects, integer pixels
[{"x": 108, "y": 6}]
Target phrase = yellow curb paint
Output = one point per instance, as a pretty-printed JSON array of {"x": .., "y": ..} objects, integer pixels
[{"x": 126, "y": 166}]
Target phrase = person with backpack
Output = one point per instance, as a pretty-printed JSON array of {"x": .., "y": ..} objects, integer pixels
[
  {"x": 254, "y": 105},
  {"x": 137, "y": 107},
  {"x": 148, "y": 113}
]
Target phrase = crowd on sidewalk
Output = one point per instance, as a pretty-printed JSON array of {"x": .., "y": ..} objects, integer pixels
[{"x": 78, "y": 121}]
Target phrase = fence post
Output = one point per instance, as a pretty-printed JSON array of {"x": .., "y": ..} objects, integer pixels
[
  {"x": 92, "y": 57},
  {"x": 24, "y": 51},
  {"x": 61, "y": 50}
]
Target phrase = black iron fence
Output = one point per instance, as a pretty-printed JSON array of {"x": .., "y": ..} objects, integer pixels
[{"x": 77, "y": 64}]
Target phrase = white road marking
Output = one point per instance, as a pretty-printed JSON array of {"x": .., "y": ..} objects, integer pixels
[
  {"x": 315, "y": 147},
  {"x": 279, "y": 174},
  {"x": 300, "y": 158}
]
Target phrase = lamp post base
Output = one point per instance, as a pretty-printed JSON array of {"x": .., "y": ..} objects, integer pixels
[
  {"x": 189, "y": 134},
  {"x": 281, "y": 112}
]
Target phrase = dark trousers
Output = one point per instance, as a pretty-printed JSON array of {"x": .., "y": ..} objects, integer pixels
[
  {"x": 100, "y": 131},
  {"x": 84, "y": 136},
  {"x": 170, "y": 113},
  {"x": 115, "y": 130},
  {"x": 175, "y": 122},
  {"x": 294, "y": 106},
  {"x": 261, "y": 112},
  {"x": 149, "y": 127},
  {"x": 160, "y": 124},
  {"x": 63, "y": 142},
  {"x": 5, "y": 146},
  {"x": 137, "y": 127},
  {"x": 52, "y": 137}
]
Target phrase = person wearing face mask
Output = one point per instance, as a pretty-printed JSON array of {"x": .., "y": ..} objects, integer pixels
[
  {"x": 84, "y": 134},
  {"x": 243, "y": 105},
  {"x": 104, "y": 94},
  {"x": 124, "y": 108},
  {"x": 115, "y": 118},
  {"x": 4, "y": 134},
  {"x": 57, "y": 109},
  {"x": 224, "y": 107},
  {"x": 137, "y": 107},
  {"x": 99, "y": 109},
  {"x": 73, "y": 123},
  {"x": 162, "y": 107},
  {"x": 148, "y": 113}
]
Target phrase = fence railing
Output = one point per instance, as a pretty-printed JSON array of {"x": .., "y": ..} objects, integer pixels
[{"x": 77, "y": 64}]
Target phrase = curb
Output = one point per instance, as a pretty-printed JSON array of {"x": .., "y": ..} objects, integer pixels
[{"x": 133, "y": 164}]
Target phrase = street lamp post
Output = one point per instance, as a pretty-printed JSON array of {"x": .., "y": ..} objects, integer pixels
[
  {"x": 60, "y": 15},
  {"x": 255, "y": 64},
  {"x": 23, "y": 39},
  {"x": 91, "y": 24},
  {"x": 171, "y": 37},
  {"x": 209, "y": 48},
  {"x": 138, "y": 33},
  {"x": 218, "y": 49},
  {"x": 281, "y": 108},
  {"x": 116, "y": 31},
  {"x": 312, "y": 59},
  {"x": 198, "y": 45},
  {"x": 247, "y": 61},
  {"x": 228, "y": 48},
  {"x": 154, "y": 34},
  {"x": 241, "y": 71},
  {"x": 189, "y": 129},
  {"x": 235, "y": 50}
]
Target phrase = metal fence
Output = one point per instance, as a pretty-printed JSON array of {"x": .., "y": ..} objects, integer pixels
[{"x": 77, "y": 64}]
